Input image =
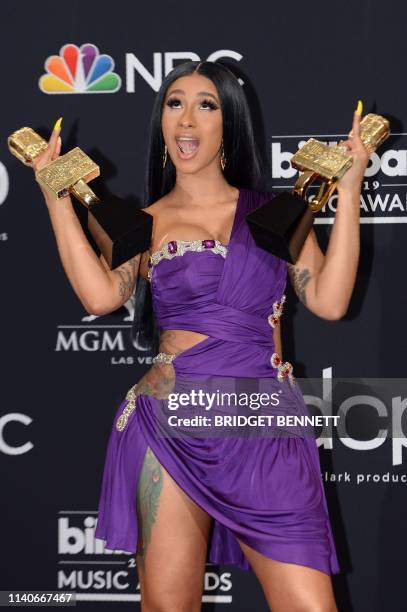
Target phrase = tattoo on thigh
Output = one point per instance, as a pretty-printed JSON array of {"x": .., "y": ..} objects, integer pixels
[
  {"x": 148, "y": 492},
  {"x": 299, "y": 278}
]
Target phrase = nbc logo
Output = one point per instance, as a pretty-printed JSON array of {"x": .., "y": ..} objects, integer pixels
[{"x": 79, "y": 70}]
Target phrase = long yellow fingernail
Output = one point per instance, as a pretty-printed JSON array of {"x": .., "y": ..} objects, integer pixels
[
  {"x": 57, "y": 125},
  {"x": 359, "y": 109}
]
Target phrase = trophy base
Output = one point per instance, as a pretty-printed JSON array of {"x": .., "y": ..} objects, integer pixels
[
  {"x": 120, "y": 230},
  {"x": 281, "y": 225}
]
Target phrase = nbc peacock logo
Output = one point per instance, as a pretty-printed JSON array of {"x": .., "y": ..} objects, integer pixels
[{"x": 79, "y": 70}]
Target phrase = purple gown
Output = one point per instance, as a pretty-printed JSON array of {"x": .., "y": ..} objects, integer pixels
[{"x": 267, "y": 492}]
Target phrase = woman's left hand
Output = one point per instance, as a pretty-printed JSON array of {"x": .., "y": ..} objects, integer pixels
[{"x": 352, "y": 179}]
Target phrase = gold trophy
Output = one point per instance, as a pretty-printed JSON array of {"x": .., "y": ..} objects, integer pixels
[
  {"x": 120, "y": 231},
  {"x": 282, "y": 225}
]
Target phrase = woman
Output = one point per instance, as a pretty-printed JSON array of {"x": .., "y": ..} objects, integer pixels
[{"x": 257, "y": 504}]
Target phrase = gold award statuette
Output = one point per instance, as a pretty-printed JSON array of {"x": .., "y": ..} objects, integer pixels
[
  {"x": 120, "y": 231},
  {"x": 281, "y": 225},
  {"x": 319, "y": 161},
  {"x": 69, "y": 173},
  {"x": 26, "y": 144}
]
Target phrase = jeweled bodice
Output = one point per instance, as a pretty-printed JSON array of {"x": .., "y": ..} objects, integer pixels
[
  {"x": 184, "y": 278},
  {"x": 233, "y": 294},
  {"x": 176, "y": 248}
]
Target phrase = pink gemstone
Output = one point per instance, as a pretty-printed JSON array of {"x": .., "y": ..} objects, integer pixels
[
  {"x": 208, "y": 244},
  {"x": 172, "y": 246}
]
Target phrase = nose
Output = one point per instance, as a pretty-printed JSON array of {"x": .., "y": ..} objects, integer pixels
[{"x": 186, "y": 119}]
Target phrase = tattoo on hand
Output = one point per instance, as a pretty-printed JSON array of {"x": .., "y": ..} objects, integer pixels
[{"x": 299, "y": 278}]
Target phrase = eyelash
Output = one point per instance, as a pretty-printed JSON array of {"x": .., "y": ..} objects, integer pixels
[{"x": 210, "y": 103}]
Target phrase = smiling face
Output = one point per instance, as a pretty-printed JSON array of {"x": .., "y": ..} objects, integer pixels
[{"x": 192, "y": 123}]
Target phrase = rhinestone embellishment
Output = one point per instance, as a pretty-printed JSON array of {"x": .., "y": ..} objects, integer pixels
[
  {"x": 284, "y": 370},
  {"x": 131, "y": 393},
  {"x": 179, "y": 247},
  {"x": 163, "y": 358},
  {"x": 278, "y": 308},
  {"x": 129, "y": 408}
]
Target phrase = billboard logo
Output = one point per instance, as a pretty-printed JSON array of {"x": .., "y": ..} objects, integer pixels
[
  {"x": 100, "y": 574},
  {"x": 383, "y": 196},
  {"x": 79, "y": 70}
]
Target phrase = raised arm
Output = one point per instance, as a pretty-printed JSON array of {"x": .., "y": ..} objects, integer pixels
[
  {"x": 100, "y": 289},
  {"x": 324, "y": 283}
]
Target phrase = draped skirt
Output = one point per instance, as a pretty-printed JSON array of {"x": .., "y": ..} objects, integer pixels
[{"x": 266, "y": 491}]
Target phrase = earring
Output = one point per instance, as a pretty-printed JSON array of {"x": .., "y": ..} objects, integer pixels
[
  {"x": 222, "y": 158},
  {"x": 165, "y": 156}
]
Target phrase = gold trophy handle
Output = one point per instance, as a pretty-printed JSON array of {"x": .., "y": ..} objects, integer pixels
[
  {"x": 325, "y": 191},
  {"x": 303, "y": 182},
  {"x": 84, "y": 193}
]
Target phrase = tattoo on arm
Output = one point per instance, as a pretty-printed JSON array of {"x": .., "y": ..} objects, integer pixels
[
  {"x": 127, "y": 273},
  {"x": 299, "y": 278}
]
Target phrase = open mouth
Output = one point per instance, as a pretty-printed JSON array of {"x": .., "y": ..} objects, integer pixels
[{"x": 187, "y": 147}]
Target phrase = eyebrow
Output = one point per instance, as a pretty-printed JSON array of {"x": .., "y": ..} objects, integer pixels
[{"x": 200, "y": 93}]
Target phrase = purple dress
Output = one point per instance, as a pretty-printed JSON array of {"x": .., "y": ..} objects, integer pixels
[{"x": 268, "y": 491}]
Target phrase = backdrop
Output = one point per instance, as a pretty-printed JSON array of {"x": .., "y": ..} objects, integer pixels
[{"x": 303, "y": 66}]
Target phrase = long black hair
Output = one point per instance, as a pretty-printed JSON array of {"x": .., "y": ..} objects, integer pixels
[{"x": 244, "y": 168}]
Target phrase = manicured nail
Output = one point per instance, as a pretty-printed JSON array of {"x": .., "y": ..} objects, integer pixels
[
  {"x": 359, "y": 109},
  {"x": 57, "y": 125}
]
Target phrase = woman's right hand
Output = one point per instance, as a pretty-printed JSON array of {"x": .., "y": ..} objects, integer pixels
[
  {"x": 49, "y": 154},
  {"x": 99, "y": 289}
]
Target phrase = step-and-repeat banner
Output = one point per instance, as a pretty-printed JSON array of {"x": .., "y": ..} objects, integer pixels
[{"x": 64, "y": 372}]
